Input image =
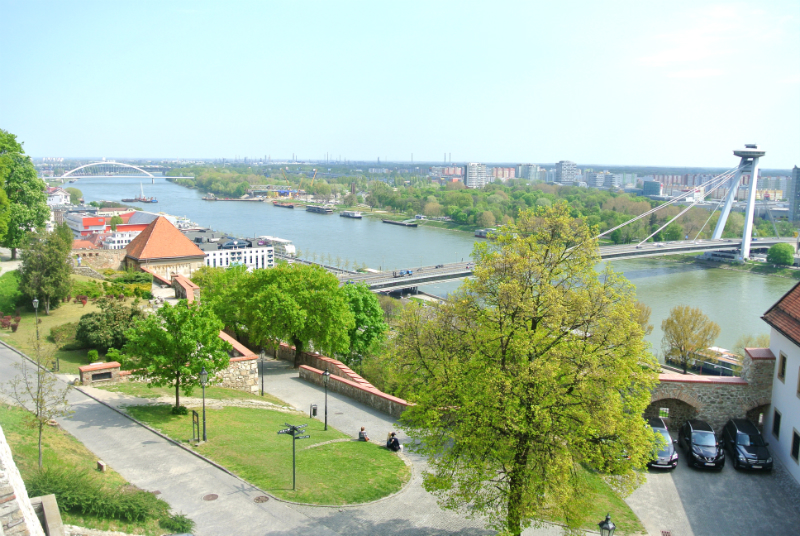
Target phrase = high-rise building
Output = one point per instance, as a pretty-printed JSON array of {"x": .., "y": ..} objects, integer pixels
[
  {"x": 566, "y": 171},
  {"x": 794, "y": 195},
  {"x": 652, "y": 188},
  {"x": 476, "y": 176},
  {"x": 528, "y": 171}
]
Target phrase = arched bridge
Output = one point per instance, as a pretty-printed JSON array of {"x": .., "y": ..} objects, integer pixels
[
  {"x": 107, "y": 165},
  {"x": 425, "y": 275}
]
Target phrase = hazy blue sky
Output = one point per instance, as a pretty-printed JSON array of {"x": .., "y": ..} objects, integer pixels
[{"x": 603, "y": 82}]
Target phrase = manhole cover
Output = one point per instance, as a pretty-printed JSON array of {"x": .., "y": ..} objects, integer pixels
[
  {"x": 156, "y": 492},
  {"x": 210, "y": 497},
  {"x": 261, "y": 499}
]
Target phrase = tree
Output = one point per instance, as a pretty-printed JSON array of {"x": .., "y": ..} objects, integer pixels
[
  {"x": 39, "y": 391},
  {"x": 350, "y": 200},
  {"x": 301, "y": 304},
  {"x": 171, "y": 347},
  {"x": 781, "y": 254},
  {"x": 369, "y": 326},
  {"x": 27, "y": 209},
  {"x": 45, "y": 273},
  {"x": 106, "y": 328},
  {"x": 750, "y": 341},
  {"x": 485, "y": 219},
  {"x": 115, "y": 220},
  {"x": 687, "y": 330},
  {"x": 75, "y": 195},
  {"x": 643, "y": 317},
  {"x": 223, "y": 291},
  {"x": 534, "y": 368}
]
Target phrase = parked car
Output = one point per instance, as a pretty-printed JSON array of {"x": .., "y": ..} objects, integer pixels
[
  {"x": 698, "y": 441},
  {"x": 667, "y": 457},
  {"x": 746, "y": 445}
]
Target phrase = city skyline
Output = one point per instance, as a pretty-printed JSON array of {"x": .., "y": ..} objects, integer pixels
[{"x": 620, "y": 84}]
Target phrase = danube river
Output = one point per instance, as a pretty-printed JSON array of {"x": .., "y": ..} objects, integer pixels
[{"x": 735, "y": 300}]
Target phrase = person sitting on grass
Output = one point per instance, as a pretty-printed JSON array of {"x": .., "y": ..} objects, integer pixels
[
  {"x": 393, "y": 443},
  {"x": 362, "y": 435}
]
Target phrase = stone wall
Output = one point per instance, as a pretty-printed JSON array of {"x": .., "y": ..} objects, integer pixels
[
  {"x": 17, "y": 517},
  {"x": 716, "y": 399},
  {"x": 369, "y": 396},
  {"x": 109, "y": 373},
  {"x": 241, "y": 374},
  {"x": 100, "y": 259},
  {"x": 88, "y": 272}
]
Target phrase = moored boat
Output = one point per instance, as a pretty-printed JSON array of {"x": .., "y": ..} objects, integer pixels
[
  {"x": 319, "y": 209},
  {"x": 351, "y": 214}
]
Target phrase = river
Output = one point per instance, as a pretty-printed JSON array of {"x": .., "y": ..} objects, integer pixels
[{"x": 735, "y": 300}]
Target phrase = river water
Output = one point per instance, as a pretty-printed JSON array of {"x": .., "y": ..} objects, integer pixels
[{"x": 735, "y": 300}]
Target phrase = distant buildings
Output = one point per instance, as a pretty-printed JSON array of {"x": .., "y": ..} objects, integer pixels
[
  {"x": 163, "y": 250},
  {"x": 652, "y": 188},
  {"x": 476, "y": 175},
  {"x": 503, "y": 173},
  {"x": 794, "y": 195},
  {"x": 57, "y": 197},
  {"x": 566, "y": 171},
  {"x": 238, "y": 251}
]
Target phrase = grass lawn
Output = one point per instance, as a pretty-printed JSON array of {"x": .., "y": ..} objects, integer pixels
[
  {"x": 606, "y": 500},
  {"x": 246, "y": 441},
  {"x": 222, "y": 393},
  {"x": 63, "y": 450}
]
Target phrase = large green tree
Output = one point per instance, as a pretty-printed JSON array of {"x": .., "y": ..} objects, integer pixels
[
  {"x": 106, "y": 328},
  {"x": 300, "y": 304},
  {"x": 27, "y": 209},
  {"x": 223, "y": 291},
  {"x": 687, "y": 330},
  {"x": 532, "y": 373},
  {"x": 781, "y": 254},
  {"x": 171, "y": 347},
  {"x": 369, "y": 325},
  {"x": 45, "y": 271}
]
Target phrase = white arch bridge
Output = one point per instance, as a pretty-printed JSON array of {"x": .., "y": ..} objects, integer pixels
[{"x": 109, "y": 168}]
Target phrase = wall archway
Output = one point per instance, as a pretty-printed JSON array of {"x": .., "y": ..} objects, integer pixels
[{"x": 677, "y": 411}]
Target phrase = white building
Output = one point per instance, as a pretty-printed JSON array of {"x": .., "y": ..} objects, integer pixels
[
  {"x": 477, "y": 175},
  {"x": 782, "y": 421},
  {"x": 56, "y": 197},
  {"x": 566, "y": 171},
  {"x": 234, "y": 252},
  {"x": 119, "y": 240}
]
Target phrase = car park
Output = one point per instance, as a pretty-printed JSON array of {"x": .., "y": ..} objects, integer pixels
[
  {"x": 700, "y": 445},
  {"x": 746, "y": 446},
  {"x": 666, "y": 457}
]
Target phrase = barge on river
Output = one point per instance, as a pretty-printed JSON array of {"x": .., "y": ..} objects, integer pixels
[
  {"x": 351, "y": 214},
  {"x": 282, "y": 205},
  {"x": 410, "y": 223},
  {"x": 319, "y": 209}
]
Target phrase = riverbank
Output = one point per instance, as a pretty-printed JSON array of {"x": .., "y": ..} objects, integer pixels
[{"x": 753, "y": 267}]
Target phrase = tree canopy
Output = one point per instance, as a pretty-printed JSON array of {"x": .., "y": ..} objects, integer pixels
[
  {"x": 369, "y": 325},
  {"x": 533, "y": 371},
  {"x": 171, "y": 347},
  {"x": 781, "y": 254},
  {"x": 687, "y": 330},
  {"x": 106, "y": 328},
  {"x": 45, "y": 272}
]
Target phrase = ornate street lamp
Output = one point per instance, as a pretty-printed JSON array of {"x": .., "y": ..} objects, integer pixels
[
  {"x": 325, "y": 377},
  {"x": 203, "y": 382},
  {"x": 607, "y": 527}
]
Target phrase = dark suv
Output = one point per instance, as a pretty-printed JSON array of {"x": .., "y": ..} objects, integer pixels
[
  {"x": 746, "y": 446},
  {"x": 702, "y": 449},
  {"x": 667, "y": 457}
]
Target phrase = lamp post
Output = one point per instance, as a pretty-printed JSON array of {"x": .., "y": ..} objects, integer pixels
[
  {"x": 607, "y": 527},
  {"x": 203, "y": 382},
  {"x": 325, "y": 377},
  {"x": 261, "y": 360},
  {"x": 36, "y": 312}
]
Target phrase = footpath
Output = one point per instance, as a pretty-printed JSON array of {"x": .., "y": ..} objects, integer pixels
[{"x": 152, "y": 463}]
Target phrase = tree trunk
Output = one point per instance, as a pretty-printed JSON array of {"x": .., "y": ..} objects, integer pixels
[
  {"x": 47, "y": 306},
  {"x": 13, "y": 254},
  {"x": 685, "y": 363},
  {"x": 514, "y": 516},
  {"x": 298, "y": 350},
  {"x": 177, "y": 390},
  {"x": 41, "y": 425}
]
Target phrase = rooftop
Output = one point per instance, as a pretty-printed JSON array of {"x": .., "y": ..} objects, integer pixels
[
  {"x": 784, "y": 316},
  {"x": 162, "y": 240}
]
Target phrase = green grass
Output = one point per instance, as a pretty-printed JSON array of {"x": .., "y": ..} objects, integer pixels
[
  {"x": 222, "y": 393},
  {"x": 246, "y": 442},
  {"x": 64, "y": 451},
  {"x": 606, "y": 500}
]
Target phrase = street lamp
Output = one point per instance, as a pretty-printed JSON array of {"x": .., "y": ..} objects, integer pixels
[
  {"x": 607, "y": 527},
  {"x": 36, "y": 312},
  {"x": 203, "y": 382},
  {"x": 261, "y": 361},
  {"x": 325, "y": 377}
]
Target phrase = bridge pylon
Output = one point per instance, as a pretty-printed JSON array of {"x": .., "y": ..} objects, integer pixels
[{"x": 749, "y": 163}]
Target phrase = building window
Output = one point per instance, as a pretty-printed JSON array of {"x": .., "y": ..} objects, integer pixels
[
  {"x": 776, "y": 424},
  {"x": 795, "y": 452},
  {"x": 782, "y": 367}
]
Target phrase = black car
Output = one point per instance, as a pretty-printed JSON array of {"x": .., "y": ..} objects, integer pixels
[
  {"x": 667, "y": 457},
  {"x": 698, "y": 441},
  {"x": 746, "y": 446}
]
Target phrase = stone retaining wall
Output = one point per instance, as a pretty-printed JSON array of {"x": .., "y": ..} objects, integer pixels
[
  {"x": 366, "y": 394},
  {"x": 88, "y": 272},
  {"x": 100, "y": 259},
  {"x": 110, "y": 372},
  {"x": 241, "y": 374},
  {"x": 17, "y": 516},
  {"x": 716, "y": 399}
]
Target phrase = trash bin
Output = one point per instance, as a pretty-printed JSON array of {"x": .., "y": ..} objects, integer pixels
[{"x": 313, "y": 411}]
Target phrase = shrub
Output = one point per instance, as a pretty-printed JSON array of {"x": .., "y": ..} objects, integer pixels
[
  {"x": 65, "y": 334},
  {"x": 106, "y": 328},
  {"x": 177, "y": 523},
  {"x": 80, "y": 492},
  {"x": 180, "y": 410},
  {"x": 93, "y": 356},
  {"x": 14, "y": 327},
  {"x": 781, "y": 254}
]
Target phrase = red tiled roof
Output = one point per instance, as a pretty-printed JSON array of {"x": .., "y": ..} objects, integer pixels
[
  {"x": 162, "y": 240},
  {"x": 82, "y": 244},
  {"x": 694, "y": 378},
  {"x": 99, "y": 366},
  {"x": 239, "y": 347},
  {"x": 785, "y": 315},
  {"x": 760, "y": 353}
]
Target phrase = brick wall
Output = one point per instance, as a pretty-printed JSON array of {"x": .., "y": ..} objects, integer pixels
[
  {"x": 89, "y": 373},
  {"x": 100, "y": 259},
  {"x": 241, "y": 374},
  {"x": 715, "y": 399},
  {"x": 17, "y": 517},
  {"x": 366, "y": 394}
]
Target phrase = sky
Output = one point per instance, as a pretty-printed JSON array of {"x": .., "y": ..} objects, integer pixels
[{"x": 615, "y": 82}]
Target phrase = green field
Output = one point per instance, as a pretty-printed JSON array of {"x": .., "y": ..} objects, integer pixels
[
  {"x": 222, "y": 393},
  {"x": 246, "y": 441}
]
